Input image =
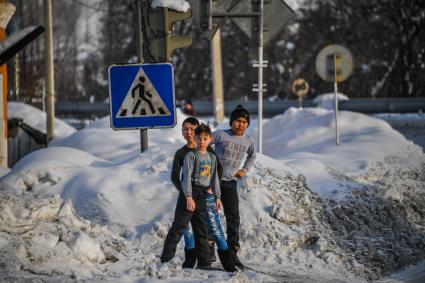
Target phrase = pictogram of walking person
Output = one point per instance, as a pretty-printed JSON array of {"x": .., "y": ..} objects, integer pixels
[{"x": 143, "y": 95}]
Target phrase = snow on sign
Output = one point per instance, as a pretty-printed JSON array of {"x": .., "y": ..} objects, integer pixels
[{"x": 141, "y": 96}]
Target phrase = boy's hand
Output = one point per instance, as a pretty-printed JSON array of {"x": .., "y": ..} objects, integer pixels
[
  {"x": 190, "y": 204},
  {"x": 241, "y": 173},
  {"x": 218, "y": 204}
]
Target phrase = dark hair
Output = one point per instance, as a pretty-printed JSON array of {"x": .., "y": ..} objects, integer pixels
[
  {"x": 202, "y": 129},
  {"x": 191, "y": 120}
]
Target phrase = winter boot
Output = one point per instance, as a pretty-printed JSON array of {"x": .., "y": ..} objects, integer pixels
[
  {"x": 212, "y": 250},
  {"x": 190, "y": 258},
  {"x": 168, "y": 252},
  {"x": 226, "y": 259},
  {"x": 204, "y": 263},
  {"x": 236, "y": 260}
]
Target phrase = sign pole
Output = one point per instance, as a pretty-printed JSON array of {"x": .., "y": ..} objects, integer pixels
[
  {"x": 300, "y": 88},
  {"x": 334, "y": 64},
  {"x": 139, "y": 35},
  {"x": 336, "y": 99},
  {"x": 50, "y": 79},
  {"x": 260, "y": 80}
]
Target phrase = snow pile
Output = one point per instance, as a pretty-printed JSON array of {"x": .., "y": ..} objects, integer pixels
[
  {"x": 327, "y": 100},
  {"x": 374, "y": 230},
  {"x": 43, "y": 235},
  {"x": 382, "y": 224},
  {"x": 100, "y": 191},
  {"x": 177, "y": 5},
  {"x": 121, "y": 146},
  {"x": 305, "y": 139},
  {"x": 37, "y": 119}
]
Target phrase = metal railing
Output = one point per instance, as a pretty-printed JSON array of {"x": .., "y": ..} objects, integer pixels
[{"x": 271, "y": 108}]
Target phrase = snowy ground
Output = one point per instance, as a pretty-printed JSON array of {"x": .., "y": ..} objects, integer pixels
[{"x": 91, "y": 207}]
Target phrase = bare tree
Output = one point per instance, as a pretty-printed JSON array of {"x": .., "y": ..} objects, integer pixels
[{"x": 66, "y": 15}]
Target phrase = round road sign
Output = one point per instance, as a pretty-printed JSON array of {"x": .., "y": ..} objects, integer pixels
[
  {"x": 334, "y": 60},
  {"x": 300, "y": 87}
]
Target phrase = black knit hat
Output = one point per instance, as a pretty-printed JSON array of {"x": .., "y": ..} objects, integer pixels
[{"x": 238, "y": 112}]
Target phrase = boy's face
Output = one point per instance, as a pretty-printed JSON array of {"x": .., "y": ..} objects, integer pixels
[
  {"x": 202, "y": 141},
  {"x": 188, "y": 132},
  {"x": 239, "y": 126}
]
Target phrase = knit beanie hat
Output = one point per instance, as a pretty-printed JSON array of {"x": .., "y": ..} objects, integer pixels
[{"x": 238, "y": 112}]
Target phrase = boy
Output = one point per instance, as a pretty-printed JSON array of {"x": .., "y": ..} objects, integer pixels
[
  {"x": 188, "y": 132},
  {"x": 199, "y": 175},
  {"x": 231, "y": 146}
]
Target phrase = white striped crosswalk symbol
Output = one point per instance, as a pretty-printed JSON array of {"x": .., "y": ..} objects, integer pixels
[{"x": 142, "y": 99}]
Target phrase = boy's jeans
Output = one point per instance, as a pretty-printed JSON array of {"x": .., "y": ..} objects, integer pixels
[
  {"x": 215, "y": 229},
  {"x": 214, "y": 223},
  {"x": 189, "y": 239}
]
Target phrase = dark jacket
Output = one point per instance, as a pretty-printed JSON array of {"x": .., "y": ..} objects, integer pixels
[{"x": 178, "y": 164}]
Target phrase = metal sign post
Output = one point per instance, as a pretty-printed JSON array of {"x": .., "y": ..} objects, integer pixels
[
  {"x": 336, "y": 97},
  {"x": 260, "y": 80},
  {"x": 334, "y": 63},
  {"x": 139, "y": 38}
]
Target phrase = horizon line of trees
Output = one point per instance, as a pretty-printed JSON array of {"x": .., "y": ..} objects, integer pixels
[{"x": 386, "y": 38}]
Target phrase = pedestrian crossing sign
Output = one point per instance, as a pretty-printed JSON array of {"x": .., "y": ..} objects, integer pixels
[{"x": 141, "y": 96}]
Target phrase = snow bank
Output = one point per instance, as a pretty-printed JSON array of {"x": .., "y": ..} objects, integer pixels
[
  {"x": 99, "y": 190},
  {"x": 43, "y": 235},
  {"x": 305, "y": 139},
  {"x": 37, "y": 119},
  {"x": 121, "y": 146},
  {"x": 327, "y": 100},
  {"x": 177, "y": 5}
]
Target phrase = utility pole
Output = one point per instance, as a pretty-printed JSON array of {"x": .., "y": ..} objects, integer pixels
[
  {"x": 139, "y": 38},
  {"x": 50, "y": 80},
  {"x": 3, "y": 123},
  {"x": 17, "y": 81},
  {"x": 217, "y": 71}
]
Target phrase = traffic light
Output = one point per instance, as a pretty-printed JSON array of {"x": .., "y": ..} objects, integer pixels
[{"x": 161, "y": 42}]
